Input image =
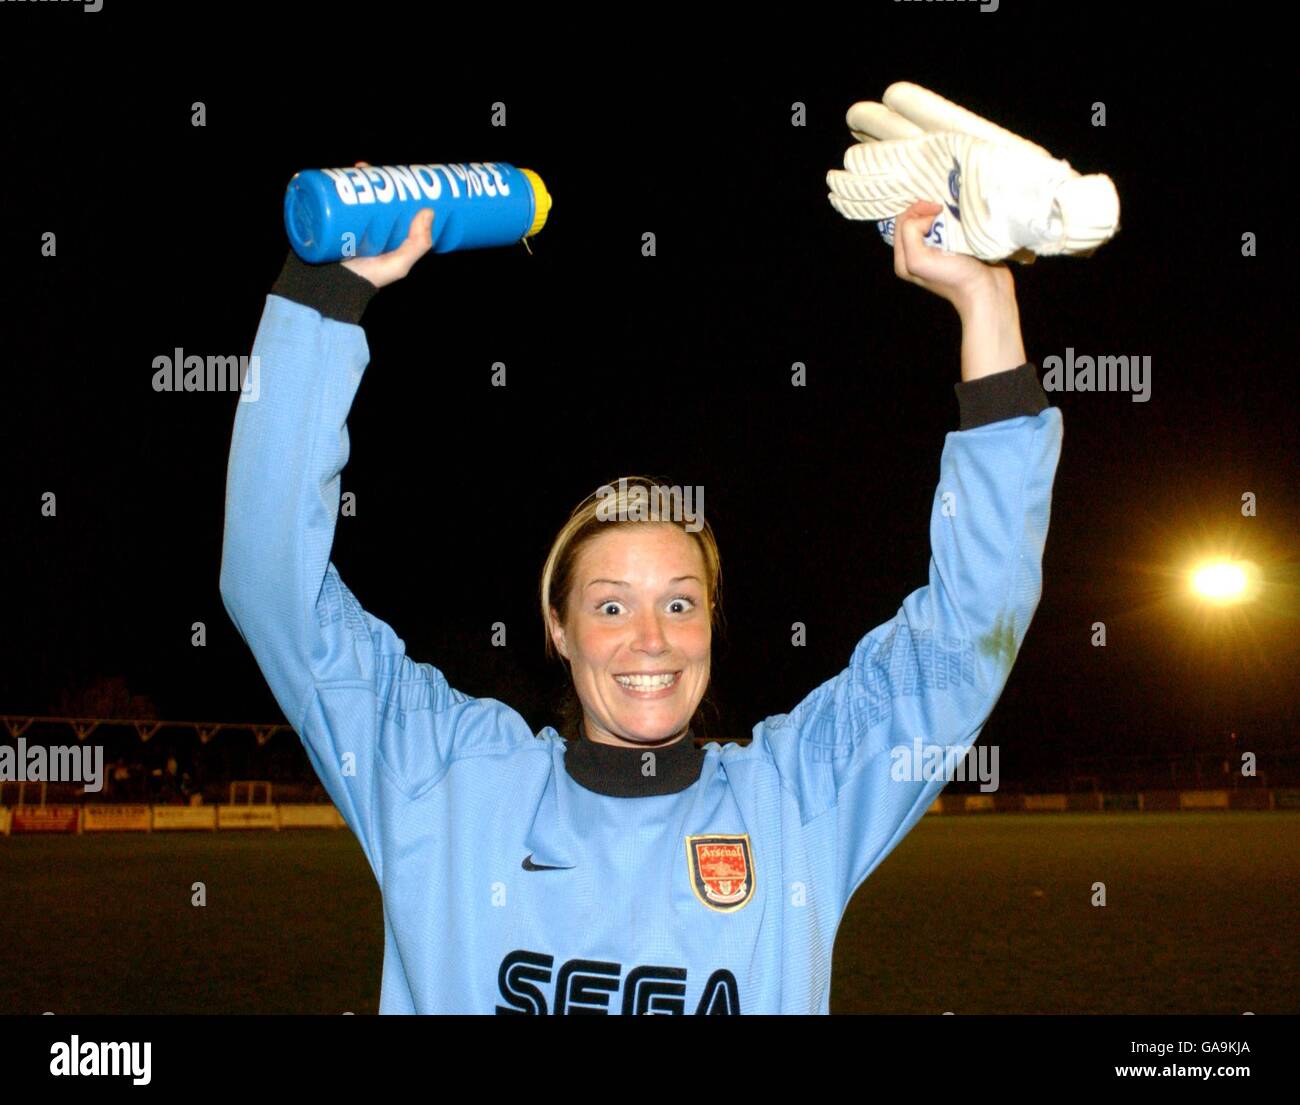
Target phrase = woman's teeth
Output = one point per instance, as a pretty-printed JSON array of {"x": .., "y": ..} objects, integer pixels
[{"x": 647, "y": 682}]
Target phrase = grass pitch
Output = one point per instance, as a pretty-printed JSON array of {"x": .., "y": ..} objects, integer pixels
[{"x": 970, "y": 914}]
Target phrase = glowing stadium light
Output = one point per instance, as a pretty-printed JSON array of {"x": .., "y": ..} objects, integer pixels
[
  {"x": 1224, "y": 582},
  {"x": 1221, "y": 582}
]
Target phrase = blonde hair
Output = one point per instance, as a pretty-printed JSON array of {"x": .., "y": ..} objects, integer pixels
[{"x": 589, "y": 520}]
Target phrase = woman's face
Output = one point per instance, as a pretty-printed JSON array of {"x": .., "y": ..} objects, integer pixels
[{"x": 637, "y": 633}]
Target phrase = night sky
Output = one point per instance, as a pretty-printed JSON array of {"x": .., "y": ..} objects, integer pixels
[{"x": 171, "y": 235}]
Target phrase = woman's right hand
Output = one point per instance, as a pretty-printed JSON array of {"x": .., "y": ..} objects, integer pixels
[{"x": 390, "y": 267}]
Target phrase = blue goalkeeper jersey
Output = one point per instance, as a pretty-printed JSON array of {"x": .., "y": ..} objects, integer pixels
[{"x": 522, "y": 873}]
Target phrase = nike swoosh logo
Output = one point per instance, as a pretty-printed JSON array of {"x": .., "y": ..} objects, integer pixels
[{"x": 529, "y": 865}]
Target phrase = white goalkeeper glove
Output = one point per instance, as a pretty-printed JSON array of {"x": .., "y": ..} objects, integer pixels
[{"x": 1003, "y": 196}]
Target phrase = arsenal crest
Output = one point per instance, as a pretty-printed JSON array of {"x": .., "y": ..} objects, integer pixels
[{"x": 721, "y": 870}]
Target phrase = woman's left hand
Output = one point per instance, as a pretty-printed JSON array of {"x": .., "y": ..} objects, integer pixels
[
  {"x": 961, "y": 280},
  {"x": 983, "y": 294}
]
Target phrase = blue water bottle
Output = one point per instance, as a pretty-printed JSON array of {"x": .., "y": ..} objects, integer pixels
[{"x": 331, "y": 214}]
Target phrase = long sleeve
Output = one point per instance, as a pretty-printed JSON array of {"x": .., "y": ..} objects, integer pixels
[
  {"x": 340, "y": 675},
  {"x": 928, "y": 678}
]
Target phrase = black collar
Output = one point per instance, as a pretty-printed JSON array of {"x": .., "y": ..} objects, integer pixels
[{"x": 624, "y": 772}]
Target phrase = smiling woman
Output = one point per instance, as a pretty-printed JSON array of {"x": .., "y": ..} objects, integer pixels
[
  {"x": 630, "y": 607},
  {"x": 616, "y": 867}
]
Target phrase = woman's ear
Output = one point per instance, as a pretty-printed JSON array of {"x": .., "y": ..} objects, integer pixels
[{"x": 556, "y": 628}]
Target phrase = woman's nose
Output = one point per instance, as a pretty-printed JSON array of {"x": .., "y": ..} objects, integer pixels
[{"x": 648, "y": 633}]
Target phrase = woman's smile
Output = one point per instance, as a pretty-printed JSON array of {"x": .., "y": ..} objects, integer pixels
[{"x": 649, "y": 685}]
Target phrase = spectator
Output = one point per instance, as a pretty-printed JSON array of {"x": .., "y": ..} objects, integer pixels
[
  {"x": 120, "y": 780},
  {"x": 169, "y": 780}
]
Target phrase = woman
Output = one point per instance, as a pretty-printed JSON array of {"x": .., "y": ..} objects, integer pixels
[{"x": 625, "y": 870}]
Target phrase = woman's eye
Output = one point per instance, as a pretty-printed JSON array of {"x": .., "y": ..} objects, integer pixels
[
  {"x": 683, "y": 601},
  {"x": 604, "y": 607}
]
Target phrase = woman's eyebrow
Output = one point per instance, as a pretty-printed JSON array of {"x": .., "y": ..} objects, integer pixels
[{"x": 624, "y": 583}]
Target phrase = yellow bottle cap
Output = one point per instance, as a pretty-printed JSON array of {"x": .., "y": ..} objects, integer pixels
[{"x": 541, "y": 202}]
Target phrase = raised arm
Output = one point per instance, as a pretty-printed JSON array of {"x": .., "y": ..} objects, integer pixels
[
  {"x": 928, "y": 679},
  {"x": 337, "y": 672}
]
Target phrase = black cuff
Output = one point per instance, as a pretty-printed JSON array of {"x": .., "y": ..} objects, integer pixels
[
  {"x": 334, "y": 291},
  {"x": 1002, "y": 395}
]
